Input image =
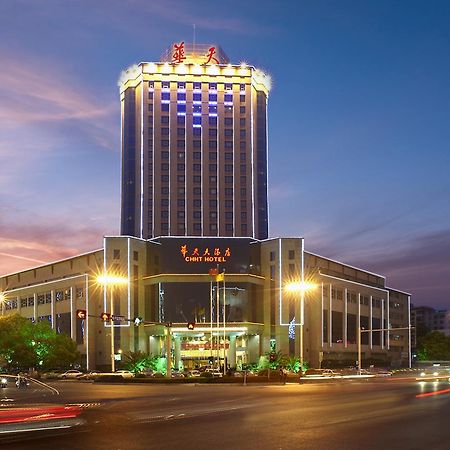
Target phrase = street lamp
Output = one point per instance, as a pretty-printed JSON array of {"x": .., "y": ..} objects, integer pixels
[
  {"x": 111, "y": 280},
  {"x": 300, "y": 287}
]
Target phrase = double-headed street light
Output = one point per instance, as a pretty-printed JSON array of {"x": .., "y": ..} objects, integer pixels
[
  {"x": 300, "y": 287},
  {"x": 111, "y": 280}
]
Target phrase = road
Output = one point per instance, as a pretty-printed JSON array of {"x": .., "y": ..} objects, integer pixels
[{"x": 374, "y": 414}]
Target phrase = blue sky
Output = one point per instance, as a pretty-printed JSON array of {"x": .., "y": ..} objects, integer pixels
[{"x": 358, "y": 123}]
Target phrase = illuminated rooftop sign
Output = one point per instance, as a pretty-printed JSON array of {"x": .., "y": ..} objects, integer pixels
[{"x": 203, "y": 54}]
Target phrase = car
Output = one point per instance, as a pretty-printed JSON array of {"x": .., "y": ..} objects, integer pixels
[
  {"x": 89, "y": 375},
  {"x": 321, "y": 373},
  {"x": 194, "y": 373},
  {"x": 431, "y": 375},
  {"x": 125, "y": 373},
  {"x": 216, "y": 373},
  {"x": 3, "y": 382},
  {"x": 176, "y": 374},
  {"x": 70, "y": 374}
]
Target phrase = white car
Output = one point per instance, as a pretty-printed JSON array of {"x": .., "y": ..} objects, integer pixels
[
  {"x": 125, "y": 373},
  {"x": 216, "y": 373},
  {"x": 70, "y": 374}
]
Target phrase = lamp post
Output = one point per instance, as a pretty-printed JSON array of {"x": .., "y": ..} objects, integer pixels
[
  {"x": 300, "y": 287},
  {"x": 111, "y": 280}
]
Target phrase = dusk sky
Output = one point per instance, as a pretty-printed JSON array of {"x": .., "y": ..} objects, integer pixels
[{"x": 359, "y": 123}]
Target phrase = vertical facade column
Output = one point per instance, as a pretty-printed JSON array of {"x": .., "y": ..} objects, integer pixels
[
  {"x": 330, "y": 328},
  {"x": 232, "y": 352},
  {"x": 388, "y": 322},
  {"x": 321, "y": 316},
  {"x": 345, "y": 317},
  {"x": 382, "y": 322},
  {"x": 35, "y": 307},
  {"x": 370, "y": 321},
  {"x": 177, "y": 351},
  {"x": 73, "y": 318},
  {"x": 53, "y": 308}
]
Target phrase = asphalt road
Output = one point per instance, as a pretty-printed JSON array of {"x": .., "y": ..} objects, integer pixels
[{"x": 376, "y": 414}]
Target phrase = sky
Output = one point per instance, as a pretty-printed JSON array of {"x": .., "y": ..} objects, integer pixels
[{"x": 359, "y": 130}]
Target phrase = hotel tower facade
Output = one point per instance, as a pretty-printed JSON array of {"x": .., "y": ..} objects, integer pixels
[{"x": 194, "y": 146}]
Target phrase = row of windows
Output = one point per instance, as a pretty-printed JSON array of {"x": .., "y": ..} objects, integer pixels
[
  {"x": 165, "y": 131},
  {"x": 198, "y": 144},
  {"x": 197, "y": 226},
  {"x": 198, "y": 155},
  {"x": 197, "y": 191},
  {"x": 43, "y": 299},
  {"x": 212, "y": 167},
  {"x": 197, "y": 97},
  {"x": 197, "y": 203},
  {"x": 197, "y": 85}
]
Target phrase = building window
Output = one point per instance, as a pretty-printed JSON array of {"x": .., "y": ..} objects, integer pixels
[
  {"x": 164, "y": 155},
  {"x": 197, "y": 131},
  {"x": 212, "y": 132},
  {"x": 228, "y": 156},
  {"x": 242, "y": 109},
  {"x": 181, "y": 202},
  {"x": 181, "y": 120},
  {"x": 180, "y": 144},
  {"x": 228, "y": 203},
  {"x": 164, "y": 166},
  {"x": 197, "y": 97},
  {"x": 212, "y": 156},
  {"x": 197, "y": 155},
  {"x": 228, "y": 192},
  {"x": 197, "y": 179},
  {"x": 197, "y": 226},
  {"x": 165, "y": 107},
  {"x": 197, "y": 144},
  {"x": 213, "y": 167},
  {"x": 181, "y": 96},
  {"x": 228, "y": 98},
  {"x": 135, "y": 256},
  {"x": 228, "y": 179},
  {"x": 291, "y": 254},
  {"x": 165, "y": 178},
  {"x": 165, "y": 190},
  {"x": 213, "y": 227},
  {"x": 197, "y": 167},
  {"x": 228, "y": 167},
  {"x": 272, "y": 256},
  {"x": 228, "y": 132},
  {"x": 181, "y": 155},
  {"x": 228, "y": 121},
  {"x": 228, "y": 144},
  {"x": 164, "y": 143},
  {"x": 116, "y": 254},
  {"x": 212, "y": 121},
  {"x": 228, "y": 227},
  {"x": 165, "y": 131},
  {"x": 180, "y": 131},
  {"x": 229, "y": 215},
  {"x": 197, "y": 203},
  {"x": 197, "y": 191},
  {"x": 197, "y": 215},
  {"x": 180, "y": 214},
  {"x": 165, "y": 95},
  {"x": 212, "y": 144},
  {"x": 242, "y": 98}
]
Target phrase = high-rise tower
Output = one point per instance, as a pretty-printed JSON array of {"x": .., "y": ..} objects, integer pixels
[{"x": 194, "y": 146}]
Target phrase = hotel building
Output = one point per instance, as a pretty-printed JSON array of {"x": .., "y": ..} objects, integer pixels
[
  {"x": 194, "y": 146},
  {"x": 194, "y": 200}
]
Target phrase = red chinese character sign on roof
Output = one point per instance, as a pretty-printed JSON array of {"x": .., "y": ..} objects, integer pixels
[
  {"x": 210, "y": 56},
  {"x": 178, "y": 55}
]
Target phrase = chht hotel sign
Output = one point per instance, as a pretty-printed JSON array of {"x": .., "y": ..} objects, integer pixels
[{"x": 206, "y": 254}]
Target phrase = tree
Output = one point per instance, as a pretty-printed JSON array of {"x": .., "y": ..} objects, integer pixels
[
  {"x": 139, "y": 361},
  {"x": 434, "y": 345},
  {"x": 24, "y": 344}
]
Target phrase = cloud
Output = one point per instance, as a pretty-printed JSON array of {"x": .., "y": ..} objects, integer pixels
[
  {"x": 37, "y": 240},
  {"x": 33, "y": 93}
]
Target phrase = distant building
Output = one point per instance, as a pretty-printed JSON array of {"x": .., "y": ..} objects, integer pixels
[{"x": 425, "y": 319}]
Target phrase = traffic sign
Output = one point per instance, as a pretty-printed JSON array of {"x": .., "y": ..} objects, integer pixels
[{"x": 118, "y": 318}]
